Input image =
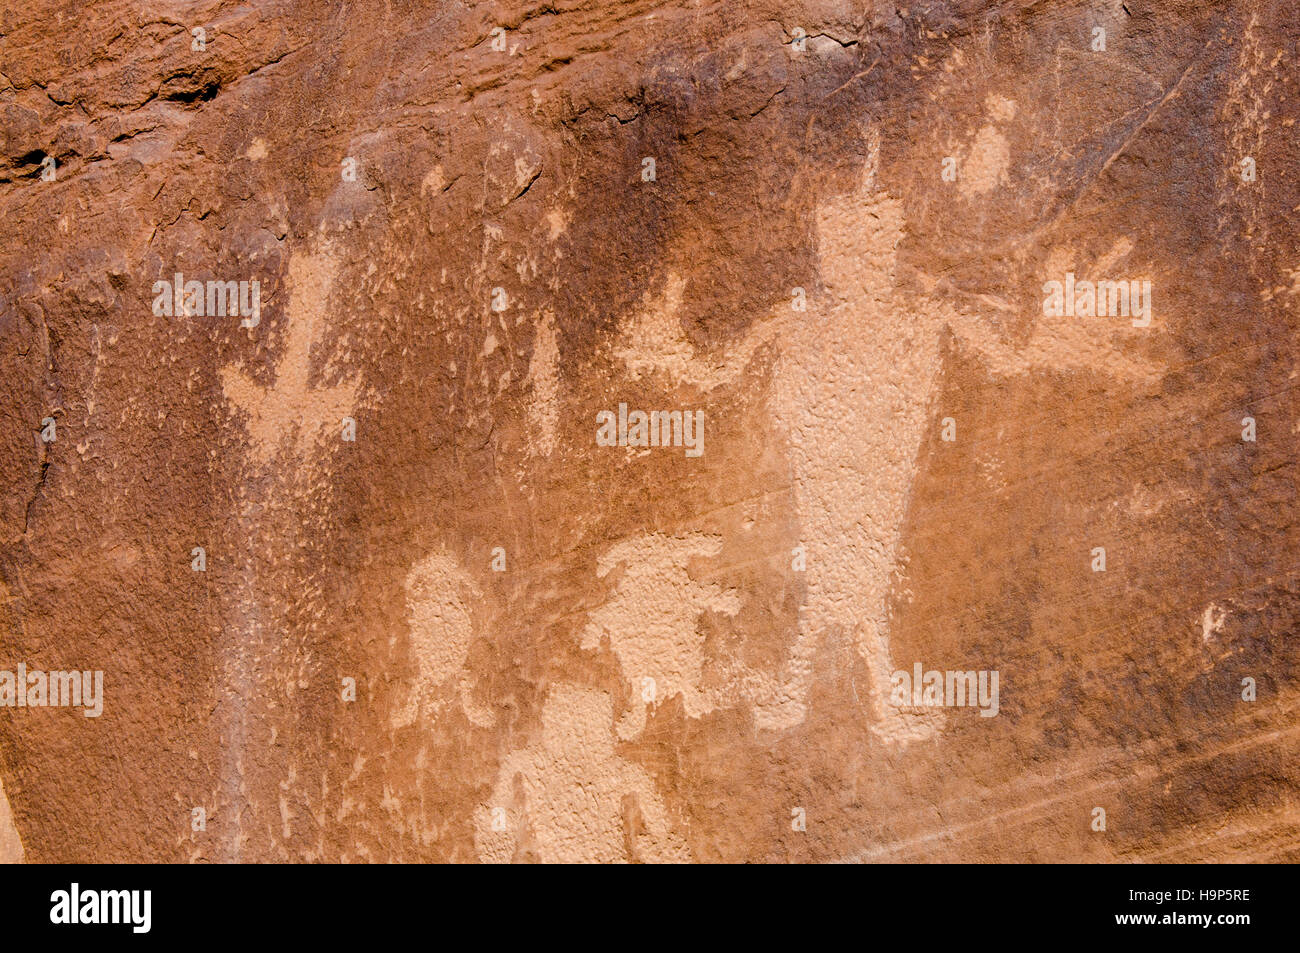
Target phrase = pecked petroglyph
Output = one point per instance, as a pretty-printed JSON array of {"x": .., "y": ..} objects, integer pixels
[
  {"x": 288, "y": 416},
  {"x": 441, "y": 627},
  {"x": 544, "y": 382},
  {"x": 568, "y": 795},
  {"x": 837, "y": 267},
  {"x": 11, "y": 845},
  {"x": 984, "y": 163},
  {"x": 292, "y": 406},
  {"x": 650, "y": 622},
  {"x": 853, "y": 388}
]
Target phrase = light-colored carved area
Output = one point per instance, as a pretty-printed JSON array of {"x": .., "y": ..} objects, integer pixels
[
  {"x": 11, "y": 846},
  {"x": 668, "y": 432}
]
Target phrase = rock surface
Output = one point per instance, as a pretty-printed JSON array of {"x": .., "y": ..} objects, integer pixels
[{"x": 823, "y": 230}]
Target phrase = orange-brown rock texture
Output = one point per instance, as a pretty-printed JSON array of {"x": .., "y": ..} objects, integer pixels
[{"x": 650, "y": 431}]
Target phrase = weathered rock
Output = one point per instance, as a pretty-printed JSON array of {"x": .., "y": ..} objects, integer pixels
[{"x": 826, "y": 233}]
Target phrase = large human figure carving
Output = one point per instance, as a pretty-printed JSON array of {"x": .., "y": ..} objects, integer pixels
[{"x": 853, "y": 388}]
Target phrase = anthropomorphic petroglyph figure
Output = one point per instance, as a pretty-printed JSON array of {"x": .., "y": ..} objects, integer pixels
[
  {"x": 441, "y": 628},
  {"x": 292, "y": 406},
  {"x": 651, "y": 623},
  {"x": 570, "y": 798},
  {"x": 286, "y": 423},
  {"x": 853, "y": 390}
]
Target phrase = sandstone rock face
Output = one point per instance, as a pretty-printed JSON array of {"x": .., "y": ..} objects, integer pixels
[{"x": 980, "y": 328}]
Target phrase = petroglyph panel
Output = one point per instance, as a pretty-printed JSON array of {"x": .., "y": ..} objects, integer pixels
[{"x": 671, "y": 432}]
